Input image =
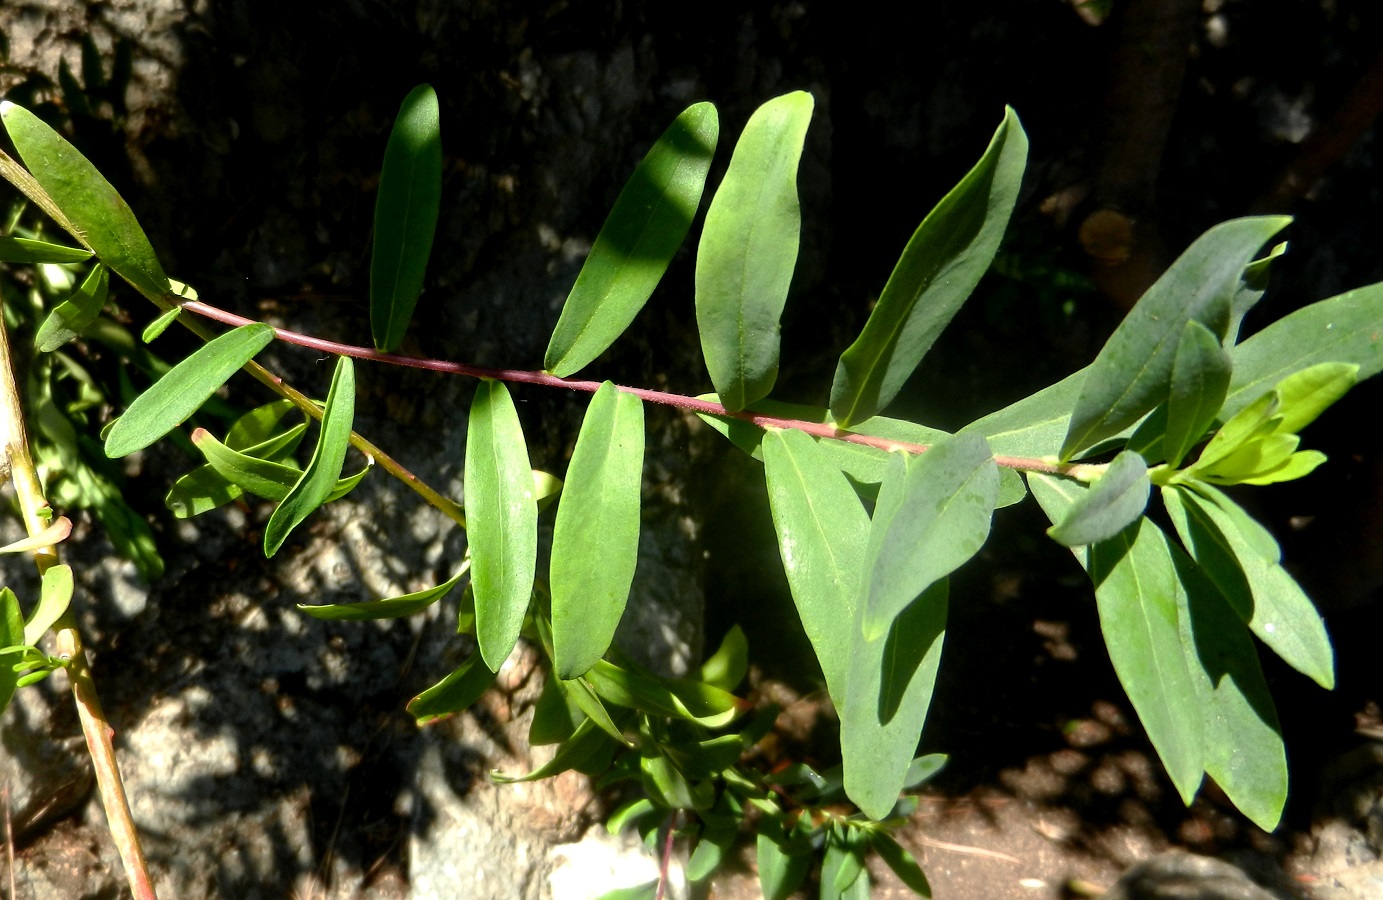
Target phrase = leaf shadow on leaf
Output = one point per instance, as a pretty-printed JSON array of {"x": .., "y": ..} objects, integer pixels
[{"x": 909, "y": 639}]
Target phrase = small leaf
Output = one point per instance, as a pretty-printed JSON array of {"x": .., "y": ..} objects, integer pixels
[
  {"x": 556, "y": 715},
  {"x": 160, "y": 325},
  {"x": 53, "y": 599},
  {"x": 410, "y": 195},
  {"x": 639, "y": 238},
  {"x": 75, "y": 314},
  {"x": 717, "y": 837},
  {"x": 628, "y": 813},
  {"x": 502, "y": 520},
  {"x": 842, "y": 868},
  {"x": 748, "y": 251},
  {"x": 24, "y": 250},
  {"x": 923, "y": 769},
  {"x": 901, "y": 862},
  {"x": 588, "y": 749},
  {"x": 201, "y": 490},
  {"x": 319, "y": 478},
  {"x": 186, "y": 387},
  {"x": 258, "y": 425},
  {"x": 1254, "y": 285},
  {"x": 1130, "y": 375},
  {"x": 454, "y": 693},
  {"x": 391, "y": 608},
  {"x": 1251, "y": 423},
  {"x": 1111, "y": 504},
  {"x": 1200, "y": 379},
  {"x": 1298, "y": 465},
  {"x": 11, "y": 634},
  {"x": 931, "y": 517},
  {"x": 54, "y": 533},
  {"x": 938, "y": 270},
  {"x": 101, "y": 217},
  {"x": 726, "y": 668},
  {"x": 780, "y": 872},
  {"x": 1306, "y": 394},
  {"x": 586, "y": 698},
  {"x": 671, "y": 789},
  {"x": 595, "y": 540},
  {"x": 678, "y": 698}
]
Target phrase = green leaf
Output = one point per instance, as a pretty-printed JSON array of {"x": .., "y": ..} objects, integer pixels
[
  {"x": 1136, "y": 591},
  {"x": 679, "y": 698},
  {"x": 932, "y": 516},
  {"x": 669, "y": 788},
  {"x": 25, "y": 250},
  {"x": 780, "y": 871},
  {"x": 1298, "y": 465},
  {"x": 75, "y": 314},
  {"x": 639, "y": 238},
  {"x": 1344, "y": 329},
  {"x": 186, "y": 387},
  {"x": 584, "y": 746},
  {"x": 11, "y": 634},
  {"x": 938, "y": 270},
  {"x": 319, "y": 478},
  {"x": 160, "y": 325},
  {"x": 1037, "y": 423},
  {"x": 1306, "y": 394},
  {"x": 454, "y": 693},
  {"x": 748, "y": 251},
  {"x": 410, "y": 194},
  {"x": 1110, "y": 505},
  {"x": 1244, "y": 752},
  {"x": 101, "y": 217},
  {"x": 201, "y": 490},
  {"x": 1131, "y": 373},
  {"x": 1254, "y": 285},
  {"x": 1201, "y": 371},
  {"x": 822, "y": 532},
  {"x": 888, "y": 692},
  {"x": 717, "y": 837},
  {"x": 901, "y": 862},
  {"x": 1251, "y": 423},
  {"x": 586, "y": 698},
  {"x": 629, "y": 812},
  {"x": 502, "y": 520},
  {"x": 646, "y": 891},
  {"x": 727, "y": 667},
  {"x": 595, "y": 540},
  {"x": 391, "y": 608},
  {"x": 556, "y": 715},
  {"x": 1225, "y": 544},
  {"x": 258, "y": 425},
  {"x": 53, "y": 599},
  {"x": 843, "y": 876}
]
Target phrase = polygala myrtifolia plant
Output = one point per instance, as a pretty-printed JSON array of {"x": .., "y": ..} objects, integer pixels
[{"x": 872, "y": 514}]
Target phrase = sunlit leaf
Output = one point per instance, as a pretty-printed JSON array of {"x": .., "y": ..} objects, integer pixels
[
  {"x": 410, "y": 194},
  {"x": 1113, "y": 503},
  {"x": 1253, "y": 422},
  {"x": 160, "y": 325},
  {"x": 843, "y": 876},
  {"x": 54, "y": 596},
  {"x": 638, "y": 240},
  {"x": 1251, "y": 290},
  {"x": 595, "y": 540},
  {"x": 1304, "y": 395},
  {"x": 55, "y": 532},
  {"x": 11, "y": 634},
  {"x": 1201, "y": 371},
  {"x": 901, "y": 862},
  {"x": 390, "y": 608},
  {"x": 748, "y": 251},
  {"x": 502, "y": 520},
  {"x": 679, "y": 698},
  {"x": 670, "y": 788},
  {"x": 186, "y": 387},
  {"x": 319, "y": 478},
  {"x": 590, "y": 703},
  {"x": 938, "y": 270},
  {"x": 588, "y": 743},
  {"x": 780, "y": 871},
  {"x": 727, "y": 667},
  {"x": 1035, "y": 425},
  {"x": 26, "y": 250},
  {"x": 75, "y": 314},
  {"x": 454, "y": 693}
]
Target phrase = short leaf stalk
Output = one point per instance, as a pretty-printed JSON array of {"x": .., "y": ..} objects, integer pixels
[{"x": 14, "y": 455}]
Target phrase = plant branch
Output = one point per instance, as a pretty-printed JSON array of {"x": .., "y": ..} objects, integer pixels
[
  {"x": 100, "y": 736},
  {"x": 664, "y": 398}
]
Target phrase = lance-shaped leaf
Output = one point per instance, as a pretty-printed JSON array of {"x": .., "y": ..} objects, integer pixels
[
  {"x": 939, "y": 268},
  {"x": 1130, "y": 375},
  {"x": 454, "y": 693},
  {"x": 639, "y": 238},
  {"x": 102, "y": 218},
  {"x": 53, "y": 599},
  {"x": 1244, "y": 752},
  {"x": 502, "y": 520},
  {"x": 584, "y": 750},
  {"x": 1304, "y": 395},
  {"x": 1136, "y": 589},
  {"x": 410, "y": 194},
  {"x": 888, "y": 692},
  {"x": 252, "y": 470},
  {"x": 748, "y": 252},
  {"x": 680, "y": 698},
  {"x": 1201, "y": 371},
  {"x": 11, "y": 635},
  {"x": 1037, "y": 423},
  {"x": 389, "y": 608},
  {"x": 1251, "y": 290},
  {"x": 1346, "y": 329},
  {"x": 184, "y": 388},
  {"x": 822, "y": 530},
  {"x": 1227, "y": 546},
  {"x": 928, "y": 521},
  {"x": 26, "y": 250},
  {"x": 74, "y": 315},
  {"x": 1110, "y": 505},
  {"x": 160, "y": 325},
  {"x": 783, "y": 863},
  {"x": 595, "y": 541},
  {"x": 901, "y": 862},
  {"x": 318, "y": 480}
]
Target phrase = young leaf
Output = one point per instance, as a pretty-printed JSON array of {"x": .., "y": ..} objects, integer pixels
[
  {"x": 1254, "y": 422},
  {"x": 183, "y": 389},
  {"x": 822, "y": 530},
  {"x": 780, "y": 871},
  {"x": 160, "y": 325},
  {"x": 1130, "y": 375},
  {"x": 681, "y": 698},
  {"x": 391, "y": 608},
  {"x": 901, "y": 862},
  {"x": 1304, "y": 395},
  {"x": 454, "y": 693},
  {"x": 643, "y": 231},
  {"x": 502, "y": 520},
  {"x": 726, "y": 667},
  {"x": 410, "y": 194},
  {"x": 1224, "y": 542},
  {"x": 556, "y": 715},
  {"x": 75, "y": 314},
  {"x": 1201, "y": 371},
  {"x": 888, "y": 691},
  {"x": 1251, "y": 290},
  {"x": 11, "y": 634},
  {"x": 319, "y": 478},
  {"x": 585, "y": 745},
  {"x": 589, "y": 703},
  {"x": 258, "y": 425},
  {"x": 1244, "y": 752},
  {"x": 1112, "y": 504},
  {"x": 843, "y": 876},
  {"x": 53, "y": 599},
  {"x": 24, "y": 250},
  {"x": 748, "y": 252},
  {"x": 930, "y": 519},
  {"x": 101, "y": 217},
  {"x": 940, "y": 266},
  {"x": 54, "y": 533},
  {"x": 595, "y": 540}
]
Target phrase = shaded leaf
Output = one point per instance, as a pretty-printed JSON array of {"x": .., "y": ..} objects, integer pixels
[
  {"x": 938, "y": 270},
  {"x": 586, "y": 698},
  {"x": 160, "y": 325},
  {"x": 748, "y": 251},
  {"x": 75, "y": 314},
  {"x": 718, "y": 833},
  {"x": 1251, "y": 290},
  {"x": 11, "y": 634},
  {"x": 595, "y": 540},
  {"x": 26, "y": 250},
  {"x": 1111, "y": 504},
  {"x": 648, "y": 223},
  {"x": 410, "y": 194},
  {"x": 391, "y": 608},
  {"x": 453, "y": 693},
  {"x": 727, "y": 667},
  {"x": 178, "y": 394},
  {"x": 780, "y": 872},
  {"x": 1201, "y": 371},
  {"x": 556, "y": 715},
  {"x": 901, "y": 862}
]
